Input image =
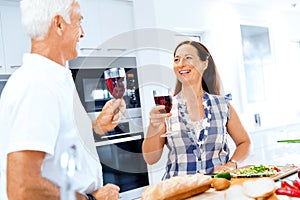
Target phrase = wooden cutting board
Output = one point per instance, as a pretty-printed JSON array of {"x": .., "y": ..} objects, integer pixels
[
  {"x": 284, "y": 172},
  {"x": 212, "y": 194}
]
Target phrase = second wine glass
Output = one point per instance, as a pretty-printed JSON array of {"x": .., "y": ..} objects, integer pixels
[
  {"x": 166, "y": 100},
  {"x": 115, "y": 79}
]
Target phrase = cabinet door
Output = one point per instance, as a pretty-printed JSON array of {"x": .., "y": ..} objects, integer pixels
[
  {"x": 15, "y": 39},
  {"x": 2, "y": 60},
  {"x": 103, "y": 21}
]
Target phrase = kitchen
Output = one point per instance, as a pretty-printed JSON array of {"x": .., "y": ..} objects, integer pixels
[{"x": 219, "y": 27}]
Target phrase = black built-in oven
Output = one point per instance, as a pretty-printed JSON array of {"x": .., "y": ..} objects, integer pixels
[
  {"x": 3, "y": 80},
  {"x": 119, "y": 150}
]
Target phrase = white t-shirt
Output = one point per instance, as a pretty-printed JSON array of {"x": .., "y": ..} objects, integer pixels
[{"x": 40, "y": 110}]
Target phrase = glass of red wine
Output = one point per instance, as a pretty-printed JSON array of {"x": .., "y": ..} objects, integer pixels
[
  {"x": 166, "y": 100},
  {"x": 115, "y": 79}
]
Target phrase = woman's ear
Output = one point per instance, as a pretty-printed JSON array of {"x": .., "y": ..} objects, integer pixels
[
  {"x": 58, "y": 24},
  {"x": 205, "y": 64}
]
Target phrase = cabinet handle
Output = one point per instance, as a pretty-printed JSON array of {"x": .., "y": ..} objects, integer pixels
[
  {"x": 15, "y": 66},
  {"x": 90, "y": 49},
  {"x": 116, "y": 49}
]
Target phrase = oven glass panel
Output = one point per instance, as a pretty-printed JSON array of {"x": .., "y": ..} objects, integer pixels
[
  {"x": 123, "y": 165},
  {"x": 2, "y": 84},
  {"x": 93, "y": 91}
]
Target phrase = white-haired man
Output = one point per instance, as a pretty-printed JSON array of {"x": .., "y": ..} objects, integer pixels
[{"x": 40, "y": 112}]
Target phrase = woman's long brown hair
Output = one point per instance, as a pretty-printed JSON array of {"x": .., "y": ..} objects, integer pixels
[{"x": 210, "y": 78}]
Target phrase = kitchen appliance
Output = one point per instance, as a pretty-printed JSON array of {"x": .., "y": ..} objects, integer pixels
[
  {"x": 3, "y": 80},
  {"x": 119, "y": 150}
]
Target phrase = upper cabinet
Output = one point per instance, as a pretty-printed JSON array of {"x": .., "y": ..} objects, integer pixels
[
  {"x": 2, "y": 60},
  {"x": 105, "y": 23},
  {"x": 14, "y": 39}
]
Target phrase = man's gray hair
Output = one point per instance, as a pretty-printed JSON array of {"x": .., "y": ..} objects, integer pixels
[{"x": 37, "y": 15}]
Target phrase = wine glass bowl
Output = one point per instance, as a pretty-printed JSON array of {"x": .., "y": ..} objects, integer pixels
[
  {"x": 166, "y": 100},
  {"x": 115, "y": 79}
]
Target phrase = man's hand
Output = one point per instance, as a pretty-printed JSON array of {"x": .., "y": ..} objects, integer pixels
[
  {"x": 108, "y": 118},
  {"x": 107, "y": 192}
]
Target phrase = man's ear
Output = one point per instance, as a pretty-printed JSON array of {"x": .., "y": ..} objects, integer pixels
[{"x": 58, "y": 23}]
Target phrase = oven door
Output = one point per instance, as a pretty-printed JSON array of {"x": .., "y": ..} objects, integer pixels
[
  {"x": 3, "y": 80},
  {"x": 123, "y": 164}
]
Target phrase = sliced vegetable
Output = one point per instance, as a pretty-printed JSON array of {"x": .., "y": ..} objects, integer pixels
[
  {"x": 261, "y": 170},
  {"x": 288, "y": 191},
  {"x": 226, "y": 175},
  {"x": 276, "y": 169}
]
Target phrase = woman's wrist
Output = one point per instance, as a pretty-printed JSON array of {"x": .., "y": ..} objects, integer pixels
[{"x": 232, "y": 164}]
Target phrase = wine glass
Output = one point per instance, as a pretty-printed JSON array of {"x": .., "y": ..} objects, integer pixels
[
  {"x": 166, "y": 100},
  {"x": 115, "y": 79}
]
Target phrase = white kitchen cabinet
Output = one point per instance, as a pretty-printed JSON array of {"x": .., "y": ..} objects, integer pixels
[
  {"x": 105, "y": 22},
  {"x": 2, "y": 60},
  {"x": 14, "y": 39}
]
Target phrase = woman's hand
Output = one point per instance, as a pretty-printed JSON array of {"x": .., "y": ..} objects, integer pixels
[
  {"x": 107, "y": 192},
  {"x": 153, "y": 144},
  {"x": 228, "y": 167},
  {"x": 108, "y": 118},
  {"x": 157, "y": 118}
]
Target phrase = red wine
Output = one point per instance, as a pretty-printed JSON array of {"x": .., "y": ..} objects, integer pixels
[
  {"x": 116, "y": 86},
  {"x": 164, "y": 100}
]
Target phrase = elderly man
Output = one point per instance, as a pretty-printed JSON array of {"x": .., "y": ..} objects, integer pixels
[{"x": 40, "y": 112}]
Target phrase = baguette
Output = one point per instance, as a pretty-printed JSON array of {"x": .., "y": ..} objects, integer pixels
[{"x": 178, "y": 187}]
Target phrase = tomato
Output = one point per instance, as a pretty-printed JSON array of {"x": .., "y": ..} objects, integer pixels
[{"x": 276, "y": 169}]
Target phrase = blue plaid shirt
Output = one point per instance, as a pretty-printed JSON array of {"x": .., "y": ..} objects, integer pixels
[{"x": 195, "y": 149}]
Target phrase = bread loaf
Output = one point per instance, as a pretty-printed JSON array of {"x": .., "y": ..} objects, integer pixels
[{"x": 178, "y": 187}]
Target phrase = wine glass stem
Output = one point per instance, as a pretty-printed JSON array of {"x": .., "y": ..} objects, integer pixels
[{"x": 168, "y": 125}]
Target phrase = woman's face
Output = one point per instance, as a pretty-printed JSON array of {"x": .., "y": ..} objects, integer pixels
[{"x": 187, "y": 66}]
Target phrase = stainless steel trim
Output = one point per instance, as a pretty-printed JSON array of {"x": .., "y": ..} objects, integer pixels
[
  {"x": 119, "y": 134},
  {"x": 126, "y": 139},
  {"x": 15, "y": 66},
  {"x": 101, "y": 62},
  {"x": 90, "y": 49},
  {"x": 116, "y": 49}
]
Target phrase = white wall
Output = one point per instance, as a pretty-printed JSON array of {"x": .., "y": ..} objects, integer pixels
[{"x": 221, "y": 24}]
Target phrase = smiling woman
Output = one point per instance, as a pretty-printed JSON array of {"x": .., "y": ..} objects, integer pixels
[{"x": 202, "y": 117}]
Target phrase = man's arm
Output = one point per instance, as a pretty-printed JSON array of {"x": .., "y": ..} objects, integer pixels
[{"x": 24, "y": 178}]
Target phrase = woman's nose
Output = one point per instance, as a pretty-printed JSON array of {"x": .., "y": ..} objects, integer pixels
[{"x": 181, "y": 62}]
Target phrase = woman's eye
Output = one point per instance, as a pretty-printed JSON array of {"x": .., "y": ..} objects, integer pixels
[
  {"x": 176, "y": 60},
  {"x": 188, "y": 57}
]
